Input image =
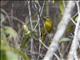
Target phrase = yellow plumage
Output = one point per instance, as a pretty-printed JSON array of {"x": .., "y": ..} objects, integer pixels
[
  {"x": 48, "y": 25},
  {"x": 47, "y": 28}
]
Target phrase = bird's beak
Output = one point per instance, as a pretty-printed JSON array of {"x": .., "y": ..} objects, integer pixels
[{"x": 44, "y": 18}]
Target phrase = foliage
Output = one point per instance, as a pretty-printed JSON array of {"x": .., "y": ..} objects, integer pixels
[
  {"x": 19, "y": 26},
  {"x": 7, "y": 52}
]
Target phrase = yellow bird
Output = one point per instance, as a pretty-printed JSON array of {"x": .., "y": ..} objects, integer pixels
[
  {"x": 47, "y": 28},
  {"x": 48, "y": 24}
]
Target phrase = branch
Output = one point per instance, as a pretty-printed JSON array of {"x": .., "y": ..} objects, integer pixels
[
  {"x": 60, "y": 31},
  {"x": 32, "y": 47},
  {"x": 75, "y": 43}
]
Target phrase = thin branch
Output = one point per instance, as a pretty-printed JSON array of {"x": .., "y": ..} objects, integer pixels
[
  {"x": 32, "y": 49},
  {"x": 43, "y": 44},
  {"x": 75, "y": 43},
  {"x": 12, "y": 17},
  {"x": 3, "y": 11},
  {"x": 58, "y": 58},
  {"x": 38, "y": 16},
  {"x": 73, "y": 21},
  {"x": 17, "y": 19}
]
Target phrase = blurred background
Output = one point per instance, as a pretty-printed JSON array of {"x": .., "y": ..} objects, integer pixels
[{"x": 24, "y": 29}]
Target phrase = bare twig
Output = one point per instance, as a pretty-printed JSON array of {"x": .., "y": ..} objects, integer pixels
[
  {"x": 73, "y": 21},
  {"x": 17, "y": 19},
  {"x": 38, "y": 16},
  {"x": 32, "y": 47},
  {"x": 3, "y": 11},
  {"x": 58, "y": 58}
]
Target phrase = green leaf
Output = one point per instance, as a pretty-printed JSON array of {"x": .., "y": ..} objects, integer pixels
[
  {"x": 3, "y": 55},
  {"x": 26, "y": 39},
  {"x": 4, "y": 44},
  {"x": 10, "y": 31},
  {"x": 11, "y": 55},
  {"x": 61, "y": 7},
  {"x": 64, "y": 40},
  {"x": 2, "y": 34}
]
